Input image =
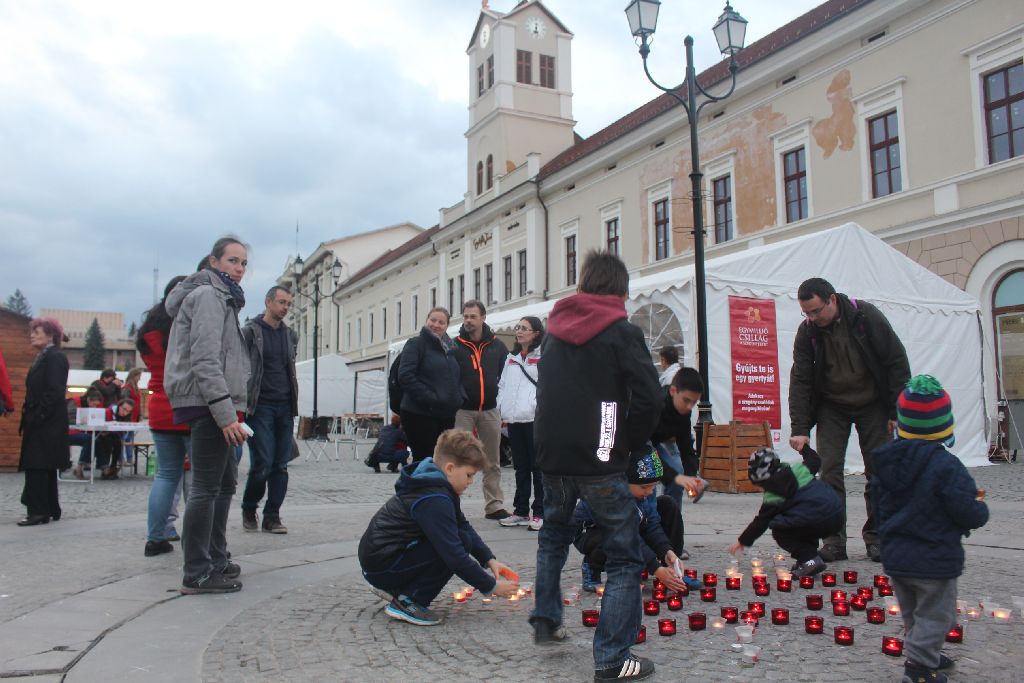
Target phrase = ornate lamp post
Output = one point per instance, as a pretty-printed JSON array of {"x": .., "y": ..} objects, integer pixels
[
  {"x": 730, "y": 31},
  {"x": 315, "y": 298}
]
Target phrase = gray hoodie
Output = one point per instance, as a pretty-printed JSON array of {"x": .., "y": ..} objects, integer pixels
[{"x": 207, "y": 364}]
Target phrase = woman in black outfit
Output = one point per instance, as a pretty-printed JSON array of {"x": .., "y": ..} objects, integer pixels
[{"x": 44, "y": 423}]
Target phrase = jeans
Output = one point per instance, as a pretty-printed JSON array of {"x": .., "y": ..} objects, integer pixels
[
  {"x": 669, "y": 454},
  {"x": 269, "y": 450},
  {"x": 171, "y": 449},
  {"x": 615, "y": 510},
  {"x": 419, "y": 574},
  {"x": 520, "y": 439},
  {"x": 590, "y": 543},
  {"x": 422, "y": 431},
  {"x": 83, "y": 439},
  {"x": 214, "y": 475}
]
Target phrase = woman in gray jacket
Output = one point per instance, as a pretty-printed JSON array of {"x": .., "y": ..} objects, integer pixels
[{"x": 205, "y": 378}]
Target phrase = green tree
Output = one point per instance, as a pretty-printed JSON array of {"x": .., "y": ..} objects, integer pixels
[
  {"x": 94, "y": 353},
  {"x": 132, "y": 330},
  {"x": 18, "y": 303}
]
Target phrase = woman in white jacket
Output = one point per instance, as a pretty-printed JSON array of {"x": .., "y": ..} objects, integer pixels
[{"x": 517, "y": 402}]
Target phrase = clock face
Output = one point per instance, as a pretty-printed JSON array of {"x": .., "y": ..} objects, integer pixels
[
  {"x": 485, "y": 35},
  {"x": 536, "y": 27}
]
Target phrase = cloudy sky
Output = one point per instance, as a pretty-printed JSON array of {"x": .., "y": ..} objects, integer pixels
[{"x": 133, "y": 134}]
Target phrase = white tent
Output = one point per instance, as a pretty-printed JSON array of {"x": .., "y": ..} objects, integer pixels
[
  {"x": 339, "y": 389},
  {"x": 937, "y": 322}
]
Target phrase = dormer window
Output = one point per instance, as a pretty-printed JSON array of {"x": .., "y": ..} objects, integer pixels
[
  {"x": 547, "y": 71},
  {"x": 524, "y": 66}
]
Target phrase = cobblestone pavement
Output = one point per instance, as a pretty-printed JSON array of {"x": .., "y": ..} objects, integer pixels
[{"x": 290, "y": 626}]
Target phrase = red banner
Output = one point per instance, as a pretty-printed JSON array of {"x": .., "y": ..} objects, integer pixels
[{"x": 755, "y": 363}]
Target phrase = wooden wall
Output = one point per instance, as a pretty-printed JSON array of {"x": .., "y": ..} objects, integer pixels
[{"x": 18, "y": 356}]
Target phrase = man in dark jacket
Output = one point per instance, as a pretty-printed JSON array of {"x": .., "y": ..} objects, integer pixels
[
  {"x": 598, "y": 400},
  {"x": 272, "y": 407},
  {"x": 481, "y": 358},
  {"x": 848, "y": 369}
]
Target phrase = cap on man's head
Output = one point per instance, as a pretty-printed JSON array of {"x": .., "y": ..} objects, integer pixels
[
  {"x": 645, "y": 467},
  {"x": 924, "y": 411}
]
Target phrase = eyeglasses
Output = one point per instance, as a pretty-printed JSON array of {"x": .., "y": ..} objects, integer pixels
[
  {"x": 814, "y": 312},
  {"x": 523, "y": 328}
]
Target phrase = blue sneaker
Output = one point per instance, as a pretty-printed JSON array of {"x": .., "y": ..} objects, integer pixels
[
  {"x": 692, "y": 583},
  {"x": 591, "y": 579},
  {"x": 405, "y": 609}
]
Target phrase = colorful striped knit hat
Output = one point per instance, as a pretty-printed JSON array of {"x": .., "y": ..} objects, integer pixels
[
  {"x": 925, "y": 411},
  {"x": 645, "y": 467}
]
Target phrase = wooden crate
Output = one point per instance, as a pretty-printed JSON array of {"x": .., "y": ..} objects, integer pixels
[{"x": 725, "y": 451}]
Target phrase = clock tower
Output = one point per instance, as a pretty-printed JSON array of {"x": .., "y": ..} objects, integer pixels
[{"x": 520, "y": 92}]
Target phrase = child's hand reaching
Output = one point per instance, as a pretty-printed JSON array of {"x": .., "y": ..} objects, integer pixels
[
  {"x": 693, "y": 485},
  {"x": 502, "y": 570},
  {"x": 504, "y": 589},
  {"x": 736, "y": 548}
]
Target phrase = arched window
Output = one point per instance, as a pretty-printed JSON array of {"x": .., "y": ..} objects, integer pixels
[
  {"x": 479, "y": 177},
  {"x": 1008, "y": 318},
  {"x": 660, "y": 327},
  {"x": 490, "y": 171}
]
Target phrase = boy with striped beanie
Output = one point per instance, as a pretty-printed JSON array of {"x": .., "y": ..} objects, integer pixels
[{"x": 925, "y": 501}]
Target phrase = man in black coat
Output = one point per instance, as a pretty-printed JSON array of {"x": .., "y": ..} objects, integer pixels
[{"x": 849, "y": 368}]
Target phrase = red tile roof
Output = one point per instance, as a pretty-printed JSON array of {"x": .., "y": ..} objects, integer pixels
[{"x": 392, "y": 255}]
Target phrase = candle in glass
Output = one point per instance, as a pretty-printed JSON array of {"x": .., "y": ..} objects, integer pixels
[
  {"x": 708, "y": 594},
  {"x": 828, "y": 579},
  {"x": 892, "y": 606},
  {"x": 651, "y": 608},
  {"x": 667, "y": 627},
  {"x": 749, "y": 617},
  {"x": 844, "y": 635},
  {"x": 675, "y": 603},
  {"x": 690, "y": 573},
  {"x": 644, "y": 575},
  {"x": 710, "y": 580},
  {"x": 780, "y": 616},
  {"x": 658, "y": 585},
  {"x": 684, "y": 592},
  {"x": 858, "y": 602},
  {"x": 730, "y": 614},
  {"x": 875, "y": 615},
  {"x": 1002, "y": 615},
  {"x": 971, "y": 612},
  {"x": 850, "y": 576},
  {"x": 591, "y": 617},
  {"x": 641, "y": 635},
  {"x": 814, "y": 624},
  {"x": 698, "y": 621},
  {"x": 659, "y": 594},
  {"x": 955, "y": 634},
  {"x": 762, "y": 589},
  {"x": 807, "y": 582},
  {"x": 733, "y": 583},
  {"x": 784, "y": 585},
  {"x": 815, "y": 601},
  {"x": 880, "y": 580},
  {"x": 892, "y": 646},
  {"x": 459, "y": 596},
  {"x": 867, "y": 592},
  {"x": 838, "y": 595},
  {"x": 756, "y": 607},
  {"x": 514, "y": 597},
  {"x": 885, "y": 591},
  {"x": 841, "y": 608},
  {"x": 600, "y": 591}
]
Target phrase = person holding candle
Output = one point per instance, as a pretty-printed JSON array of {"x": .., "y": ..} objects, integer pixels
[
  {"x": 419, "y": 539},
  {"x": 797, "y": 507},
  {"x": 925, "y": 501}
]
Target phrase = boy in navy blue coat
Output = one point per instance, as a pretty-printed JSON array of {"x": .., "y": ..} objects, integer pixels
[
  {"x": 925, "y": 501},
  {"x": 420, "y": 538}
]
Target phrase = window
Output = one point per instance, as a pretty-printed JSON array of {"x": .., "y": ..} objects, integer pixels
[
  {"x": 451, "y": 294},
  {"x": 370, "y": 326},
  {"x": 795, "y": 180},
  {"x": 415, "y": 310},
  {"x": 384, "y": 322},
  {"x": 547, "y": 71},
  {"x": 508, "y": 278},
  {"x": 1004, "y": 112},
  {"x": 480, "y": 80},
  {"x": 884, "y": 150},
  {"x": 611, "y": 232},
  {"x": 433, "y": 297},
  {"x": 476, "y": 284},
  {"x": 462, "y": 291},
  {"x": 398, "y": 317},
  {"x": 570, "y": 260},
  {"x": 490, "y": 171},
  {"x": 348, "y": 342},
  {"x": 489, "y": 282},
  {"x": 490, "y": 71},
  {"x": 524, "y": 66},
  {"x": 522, "y": 272},
  {"x": 661, "y": 229},
  {"x": 479, "y": 177},
  {"x": 359, "y": 330},
  {"x": 723, "y": 208}
]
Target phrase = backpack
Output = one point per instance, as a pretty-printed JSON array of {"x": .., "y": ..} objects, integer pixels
[{"x": 394, "y": 386}]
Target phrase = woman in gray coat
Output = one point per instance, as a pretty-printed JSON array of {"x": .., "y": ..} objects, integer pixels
[{"x": 205, "y": 377}]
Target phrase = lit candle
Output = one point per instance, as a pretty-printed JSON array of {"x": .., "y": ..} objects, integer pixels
[
  {"x": 885, "y": 591},
  {"x": 667, "y": 627},
  {"x": 875, "y": 615},
  {"x": 675, "y": 603},
  {"x": 641, "y": 635},
  {"x": 527, "y": 588},
  {"x": 956, "y": 634},
  {"x": 644, "y": 575},
  {"x": 783, "y": 573},
  {"x": 866, "y": 592},
  {"x": 459, "y": 596},
  {"x": 710, "y": 580},
  {"x": 881, "y": 580},
  {"x": 844, "y": 635},
  {"x": 698, "y": 621},
  {"x": 659, "y": 594},
  {"x": 892, "y": 646},
  {"x": 591, "y": 617},
  {"x": 779, "y": 557},
  {"x": 732, "y": 583},
  {"x": 1001, "y": 614},
  {"x": 600, "y": 590},
  {"x": 651, "y": 608},
  {"x": 762, "y": 589},
  {"x": 858, "y": 602},
  {"x": 892, "y": 606},
  {"x": 717, "y": 623},
  {"x": 570, "y": 597},
  {"x": 784, "y": 585},
  {"x": 756, "y": 607},
  {"x": 815, "y": 601},
  {"x": 814, "y": 624},
  {"x": 731, "y": 614},
  {"x": 707, "y": 594},
  {"x": 749, "y": 618},
  {"x": 758, "y": 578},
  {"x": 807, "y": 582},
  {"x": 732, "y": 571},
  {"x": 850, "y": 576},
  {"x": 838, "y": 595},
  {"x": 468, "y": 590},
  {"x": 514, "y": 597},
  {"x": 971, "y": 613},
  {"x": 690, "y": 573},
  {"x": 828, "y": 579},
  {"x": 755, "y": 562},
  {"x": 841, "y": 608},
  {"x": 658, "y": 585},
  {"x": 780, "y": 616}
]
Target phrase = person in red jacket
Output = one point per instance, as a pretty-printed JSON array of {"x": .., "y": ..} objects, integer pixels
[{"x": 6, "y": 396}]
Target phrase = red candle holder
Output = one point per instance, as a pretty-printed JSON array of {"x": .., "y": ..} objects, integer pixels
[
  {"x": 698, "y": 621},
  {"x": 876, "y": 615},
  {"x": 807, "y": 582},
  {"x": 884, "y": 591},
  {"x": 756, "y": 607},
  {"x": 651, "y": 608},
  {"x": 762, "y": 589},
  {"x": 684, "y": 592},
  {"x": 815, "y": 601},
  {"x": 733, "y": 583},
  {"x": 749, "y": 617},
  {"x": 710, "y": 580},
  {"x": 867, "y": 592},
  {"x": 758, "y": 578},
  {"x": 841, "y": 608},
  {"x": 644, "y": 575},
  {"x": 844, "y": 635},
  {"x": 675, "y": 603},
  {"x": 659, "y": 594},
  {"x": 690, "y": 573},
  {"x": 859, "y": 603},
  {"x": 814, "y": 624},
  {"x": 780, "y": 616},
  {"x": 641, "y": 635},
  {"x": 955, "y": 634},
  {"x": 708, "y": 594},
  {"x": 784, "y": 585},
  {"x": 658, "y": 585},
  {"x": 591, "y": 617},
  {"x": 667, "y": 627},
  {"x": 850, "y": 576},
  {"x": 828, "y": 579},
  {"x": 730, "y": 614},
  {"x": 892, "y": 646},
  {"x": 880, "y": 580},
  {"x": 838, "y": 595}
]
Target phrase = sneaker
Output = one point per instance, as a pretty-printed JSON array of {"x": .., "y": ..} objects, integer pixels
[
  {"x": 405, "y": 609},
  {"x": 683, "y": 554},
  {"x": 913, "y": 673},
  {"x": 173, "y": 536},
  {"x": 536, "y": 523},
  {"x": 833, "y": 553},
  {"x": 515, "y": 520},
  {"x": 633, "y": 669},
  {"x": 382, "y": 594},
  {"x": 373, "y": 466},
  {"x": 591, "y": 579},
  {"x": 231, "y": 571},
  {"x": 249, "y": 521},
  {"x": 813, "y": 566},
  {"x": 874, "y": 552},
  {"x": 154, "y": 548},
  {"x": 211, "y": 583},
  {"x": 272, "y": 525},
  {"x": 393, "y": 467},
  {"x": 498, "y": 514},
  {"x": 545, "y": 632}
]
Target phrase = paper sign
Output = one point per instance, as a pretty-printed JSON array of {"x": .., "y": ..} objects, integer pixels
[{"x": 755, "y": 363}]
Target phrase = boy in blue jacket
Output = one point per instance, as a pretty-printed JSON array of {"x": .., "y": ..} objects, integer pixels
[
  {"x": 797, "y": 507},
  {"x": 419, "y": 539},
  {"x": 925, "y": 501}
]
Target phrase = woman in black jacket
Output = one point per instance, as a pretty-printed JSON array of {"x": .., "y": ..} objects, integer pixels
[
  {"x": 44, "y": 423},
  {"x": 431, "y": 390}
]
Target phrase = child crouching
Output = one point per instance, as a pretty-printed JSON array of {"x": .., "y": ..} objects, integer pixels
[{"x": 419, "y": 539}]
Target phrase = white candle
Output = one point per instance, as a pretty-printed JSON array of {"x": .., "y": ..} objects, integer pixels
[{"x": 1001, "y": 614}]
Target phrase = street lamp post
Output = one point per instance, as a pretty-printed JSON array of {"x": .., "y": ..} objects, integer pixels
[
  {"x": 316, "y": 297},
  {"x": 730, "y": 31}
]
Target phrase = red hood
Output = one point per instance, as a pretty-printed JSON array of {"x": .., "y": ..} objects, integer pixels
[{"x": 579, "y": 318}]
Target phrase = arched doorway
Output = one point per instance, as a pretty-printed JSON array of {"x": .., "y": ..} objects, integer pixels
[
  {"x": 1008, "y": 320},
  {"x": 660, "y": 327}
]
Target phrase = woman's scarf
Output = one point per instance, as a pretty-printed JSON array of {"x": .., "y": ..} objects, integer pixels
[{"x": 236, "y": 290}]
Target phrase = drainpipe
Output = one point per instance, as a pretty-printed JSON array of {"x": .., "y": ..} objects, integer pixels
[{"x": 547, "y": 246}]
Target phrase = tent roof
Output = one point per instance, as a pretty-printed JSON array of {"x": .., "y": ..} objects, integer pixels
[{"x": 850, "y": 257}]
